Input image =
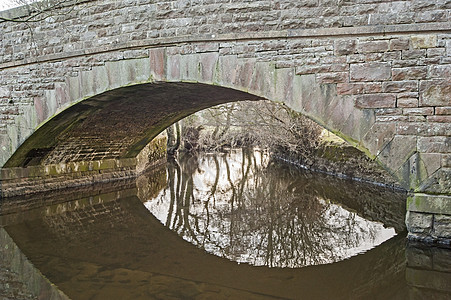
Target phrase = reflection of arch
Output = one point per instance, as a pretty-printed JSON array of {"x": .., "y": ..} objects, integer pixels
[{"x": 128, "y": 230}]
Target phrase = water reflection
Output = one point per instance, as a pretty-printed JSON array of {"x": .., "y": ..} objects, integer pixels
[{"x": 243, "y": 207}]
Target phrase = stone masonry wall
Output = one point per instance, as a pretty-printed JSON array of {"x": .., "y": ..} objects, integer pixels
[{"x": 104, "y": 23}]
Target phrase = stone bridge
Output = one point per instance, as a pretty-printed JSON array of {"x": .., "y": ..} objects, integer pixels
[{"x": 84, "y": 91}]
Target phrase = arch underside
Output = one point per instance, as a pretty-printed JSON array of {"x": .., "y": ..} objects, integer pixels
[{"x": 119, "y": 123}]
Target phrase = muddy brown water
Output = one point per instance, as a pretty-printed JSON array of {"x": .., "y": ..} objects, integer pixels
[{"x": 225, "y": 226}]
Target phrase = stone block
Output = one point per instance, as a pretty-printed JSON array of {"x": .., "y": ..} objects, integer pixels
[
  {"x": 431, "y": 162},
  {"x": 434, "y": 144},
  {"x": 414, "y": 55},
  {"x": 424, "y": 41},
  {"x": 419, "y": 222},
  {"x": 345, "y": 47},
  {"x": 378, "y": 136},
  {"x": 440, "y": 71},
  {"x": 440, "y": 119},
  {"x": 284, "y": 85},
  {"x": 208, "y": 63},
  {"x": 338, "y": 77},
  {"x": 446, "y": 160},
  {"x": 157, "y": 58},
  {"x": 359, "y": 88},
  {"x": 372, "y": 46},
  {"x": 442, "y": 226},
  {"x": 435, "y": 92},
  {"x": 262, "y": 78},
  {"x": 173, "y": 65},
  {"x": 436, "y": 52},
  {"x": 429, "y": 204},
  {"x": 399, "y": 44},
  {"x": 439, "y": 182},
  {"x": 407, "y": 102},
  {"x": 398, "y": 151},
  {"x": 443, "y": 110},
  {"x": 412, "y": 128},
  {"x": 245, "y": 72},
  {"x": 373, "y": 71},
  {"x": 227, "y": 70},
  {"x": 400, "y": 86},
  {"x": 375, "y": 100},
  {"x": 421, "y": 111},
  {"x": 410, "y": 73}
]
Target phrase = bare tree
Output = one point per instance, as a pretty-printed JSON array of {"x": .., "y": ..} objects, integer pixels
[
  {"x": 34, "y": 11},
  {"x": 263, "y": 123}
]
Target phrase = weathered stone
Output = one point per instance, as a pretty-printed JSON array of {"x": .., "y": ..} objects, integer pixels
[
  {"x": 435, "y": 93},
  {"x": 374, "y": 71},
  {"x": 372, "y": 46},
  {"x": 399, "y": 74},
  {"x": 158, "y": 63},
  {"x": 431, "y": 204},
  {"x": 332, "y": 77},
  {"x": 443, "y": 110},
  {"x": 358, "y": 88},
  {"x": 442, "y": 226},
  {"x": 439, "y": 71},
  {"x": 375, "y": 100},
  {"x": 440, "y": 119},
  {"x": 398, "y": 151},
  {"x": 345, "y": 47},
  {"x": 446, "y": 160},
  {"x": 413, "y": 55},
  {"x": 399, "y": 44},
  {"x": 423, "y": 111},
  {"x": 400, "y": 86},
  {"x": 407, "y": 102},
  {"x": 424, "y": 41},
  {"x": 438, "y": 181},
  {"x": 419, "y": 222},
  {"x": 436, "y": 144}
]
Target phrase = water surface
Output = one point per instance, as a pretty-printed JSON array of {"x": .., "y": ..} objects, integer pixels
[{"x": 250, "y": 229}]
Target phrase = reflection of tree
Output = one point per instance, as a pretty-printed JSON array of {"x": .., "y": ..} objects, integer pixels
[{"x": 253, "y": 212}]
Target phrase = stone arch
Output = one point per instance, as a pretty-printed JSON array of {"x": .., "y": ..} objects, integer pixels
[{"x": 233, "y": 77}]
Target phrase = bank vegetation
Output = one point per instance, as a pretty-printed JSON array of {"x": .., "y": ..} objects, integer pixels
[{"x": 286, "y": 134}]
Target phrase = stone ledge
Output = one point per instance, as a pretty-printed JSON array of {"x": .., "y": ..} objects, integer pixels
[
  {"x": 425, "y": 203},
  {"x": 65, "y": 168}
]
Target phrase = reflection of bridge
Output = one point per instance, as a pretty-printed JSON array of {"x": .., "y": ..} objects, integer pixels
[{"x": 358, "y": 69}]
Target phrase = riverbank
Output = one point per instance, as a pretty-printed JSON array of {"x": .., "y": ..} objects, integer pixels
[{"x": 335, "y": 157}]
